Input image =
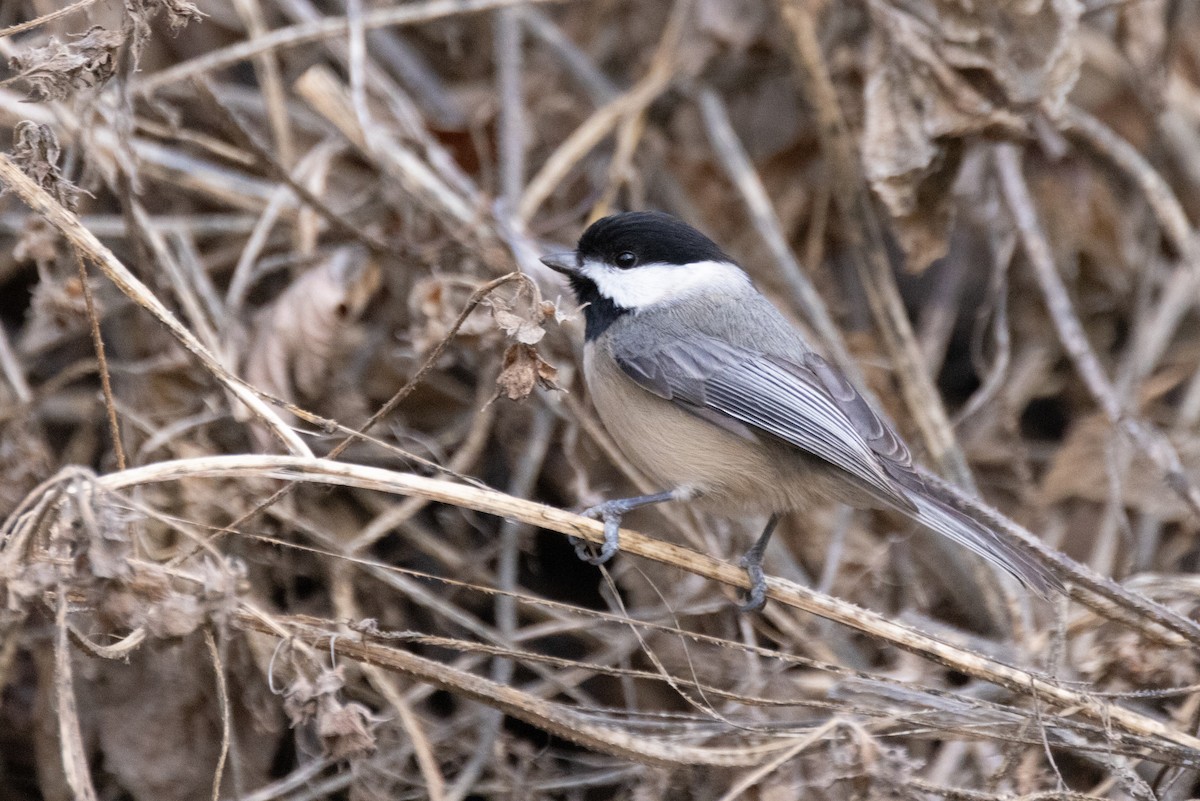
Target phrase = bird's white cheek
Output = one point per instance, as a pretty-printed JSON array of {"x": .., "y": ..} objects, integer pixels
[{"x": 651, "y": 284}]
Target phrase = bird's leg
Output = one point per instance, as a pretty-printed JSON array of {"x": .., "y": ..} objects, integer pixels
[
  {"x": 752, "y": 562},
  {"x": 611, "y": 513}
]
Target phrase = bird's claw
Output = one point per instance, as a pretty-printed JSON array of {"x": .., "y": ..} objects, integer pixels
[
  {"x": 610, "y": 512},
  {"x": 756, "y": 597}
]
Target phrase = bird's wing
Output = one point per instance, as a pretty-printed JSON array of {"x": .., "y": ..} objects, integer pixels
[
  {"x": 809, "y": 404},
  {"x": 804, "y": 403}
]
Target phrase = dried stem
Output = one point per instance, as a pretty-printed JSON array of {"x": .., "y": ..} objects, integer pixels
[
  {"x": 861, "y": 222},
  {"x": 1071, "y": 334},
  {"x": 88, "y": 245},
  {"x": 323, "y": 471}
]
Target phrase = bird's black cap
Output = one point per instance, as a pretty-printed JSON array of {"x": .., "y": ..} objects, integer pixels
[{"x": 654, "y": 237}]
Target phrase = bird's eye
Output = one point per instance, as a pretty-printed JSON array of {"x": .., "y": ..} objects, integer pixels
[{"x": 626, "y": 259}]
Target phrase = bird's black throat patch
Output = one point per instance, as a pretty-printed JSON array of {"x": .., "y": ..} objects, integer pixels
[{"x": 599, "y": 312}]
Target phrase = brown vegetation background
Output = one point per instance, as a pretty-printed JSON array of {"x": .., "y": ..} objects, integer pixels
[{"x": 290, "y": 412}]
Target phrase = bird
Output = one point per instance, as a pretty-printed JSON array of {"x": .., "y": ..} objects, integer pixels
[{"x": 707, "y": 388}]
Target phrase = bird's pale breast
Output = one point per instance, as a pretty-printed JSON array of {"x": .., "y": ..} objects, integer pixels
[{"x": 676, "y": 448}]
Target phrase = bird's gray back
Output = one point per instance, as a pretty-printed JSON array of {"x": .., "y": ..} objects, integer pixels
[{"x": 746, "y": 319}]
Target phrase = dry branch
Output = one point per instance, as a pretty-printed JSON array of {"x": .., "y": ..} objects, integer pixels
[
  {"x": 1015, "y": 679},
  {"x": 90, "y": 247},
  {"x": 451, "y": 137}
]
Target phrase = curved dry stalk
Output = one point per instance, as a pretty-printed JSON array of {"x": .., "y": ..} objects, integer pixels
[
  {"x": 1158, "y": 193},
  {"x": 870, "y": 253},
  {"x": 558, "y": 719},
  {"x": 293, "y": 35},
  {"x": 290, "y": 468},
  {"x": 70, "y": 226},
  {"x": 1074, "y": 339}
]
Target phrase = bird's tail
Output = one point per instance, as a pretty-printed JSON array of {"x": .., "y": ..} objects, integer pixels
[{"x": 944, "y": 519}]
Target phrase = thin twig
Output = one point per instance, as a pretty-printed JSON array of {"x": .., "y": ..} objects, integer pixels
[
  {"x": 1072, "y": 336},
  {"x": 110, "y": 405},
  {"x": 45, "y": 18},
  {"x": 218, "y": 665},
  {"x": 323, "y": 471},
  {"x": 862, "y": 223}
]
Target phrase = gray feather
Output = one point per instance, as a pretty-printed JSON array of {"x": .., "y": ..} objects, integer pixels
[
  {"x": 802, "y": 400},
  {"x": 783, "y": 399}
]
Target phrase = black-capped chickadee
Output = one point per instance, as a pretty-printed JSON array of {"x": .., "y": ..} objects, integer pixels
[{"x": 708, "y": 389}]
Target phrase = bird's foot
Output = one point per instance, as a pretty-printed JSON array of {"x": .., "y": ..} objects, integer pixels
[
  {"x": 611, "y": 513},
  {"x": 756, "y": 597}
]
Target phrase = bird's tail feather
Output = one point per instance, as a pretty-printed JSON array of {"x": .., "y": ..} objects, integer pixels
[{"x": 992, "y": 546}]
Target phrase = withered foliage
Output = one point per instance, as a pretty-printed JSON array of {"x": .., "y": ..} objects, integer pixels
[
  {"x": 57, "y": 70},
  {"x": 311, "y": 230}
]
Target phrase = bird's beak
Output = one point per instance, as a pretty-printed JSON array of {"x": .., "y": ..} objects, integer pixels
[{"x": 564, "y": 263}]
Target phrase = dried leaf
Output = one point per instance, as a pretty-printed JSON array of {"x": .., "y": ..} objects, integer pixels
[
  {"x": 344, "y": 728},
  {"x": 296, "y": 339},
  {"x": 521, "y": 315},
  {"x": 141, "y": 12},
  {"x": 301, "y": 696},
  {"x": 36, "y": 152},
  {"x": 519, "y": 328},
  {"x": 934, "y": 67},
  {"x": 524, "y": 369},
  {"x": 56, "y": 70}
]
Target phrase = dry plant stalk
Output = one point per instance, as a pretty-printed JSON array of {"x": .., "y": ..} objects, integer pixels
[{"x": 291, "y": 416}]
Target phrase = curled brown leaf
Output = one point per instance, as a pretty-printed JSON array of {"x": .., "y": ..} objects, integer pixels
[
  {"x": 296, "y": 339},
  {"x": 939, "y": 71},
  {"x": 344, "y": 728},
  {"x": 524, "y": 368},
  {"x": 36, "y": 151},
  {"x": 57, "y": 70}
]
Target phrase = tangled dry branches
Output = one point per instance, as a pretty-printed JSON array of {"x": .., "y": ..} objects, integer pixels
[{"x": 291, "y": 415}]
